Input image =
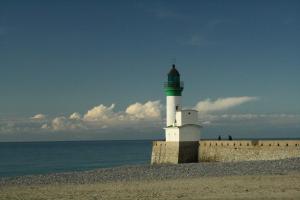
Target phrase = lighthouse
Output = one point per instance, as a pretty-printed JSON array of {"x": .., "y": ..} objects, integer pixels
[
  {"x": 173, "y": 90},
  {"x": 181, "y": 125},
  {"x": 182, "y": 131},
  {"x": 182, "y": 142}
]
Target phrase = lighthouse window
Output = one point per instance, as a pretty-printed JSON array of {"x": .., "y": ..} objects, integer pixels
[{"x": 189, "y": 113}]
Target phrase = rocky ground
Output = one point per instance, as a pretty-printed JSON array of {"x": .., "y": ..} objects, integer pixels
[{"x": 160, "y": 172}]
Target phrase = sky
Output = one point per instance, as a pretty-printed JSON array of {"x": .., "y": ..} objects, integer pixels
[{"x": 84, "y": 70}]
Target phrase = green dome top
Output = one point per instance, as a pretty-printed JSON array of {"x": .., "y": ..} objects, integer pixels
[
  {"x": 174, "y": 86},
  {"x": 173, "y": 71},
  {"x": 173, "y": 75}
]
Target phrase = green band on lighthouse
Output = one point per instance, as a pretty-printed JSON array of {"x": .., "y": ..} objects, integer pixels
[
  {"x": 170, "y": 91},
  {"x": 173, "y": 87}
]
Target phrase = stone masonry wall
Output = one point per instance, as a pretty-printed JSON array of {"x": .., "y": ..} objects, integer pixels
[
  {"x": 174, "y": 152},
  {"x": 243, "y": 150},
  {"x": 164, "y": 152}
]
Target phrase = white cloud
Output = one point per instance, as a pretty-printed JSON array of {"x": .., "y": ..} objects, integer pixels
[
  {"x": 39, "y": 117},
  {"x": 104, "y": 115},
  {"x": 59, "y": 123},
  {"x": 149, "y": 110},
  {"x": 135, "y": 116},
  {"x": 221, "y": 104},
  {"x": 100, "y": 113},
  {"x": 139, "y": 117},
  {"x": 63, "y": 124},
  {"x": 45, "y": 126},
  {"x": 250, "y": 118},
  {"x": 75, "y": 116}
]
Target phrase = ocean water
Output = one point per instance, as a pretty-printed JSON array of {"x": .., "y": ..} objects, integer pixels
[{"x": 26, "y": 158}]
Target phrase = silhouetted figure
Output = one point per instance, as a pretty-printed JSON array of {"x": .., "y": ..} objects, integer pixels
[
  {"x": 229, "y": 137},
  {"x": 219, "y": 138}
]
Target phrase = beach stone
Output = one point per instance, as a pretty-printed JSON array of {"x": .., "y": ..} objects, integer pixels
[{"x": 160, "y": 172}]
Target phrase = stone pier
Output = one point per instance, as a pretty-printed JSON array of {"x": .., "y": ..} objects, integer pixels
[
  {"x": 223, "y": 151},
  {"x": 174, "y": 152}
]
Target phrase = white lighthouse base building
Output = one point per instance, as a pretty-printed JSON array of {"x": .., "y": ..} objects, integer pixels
[
  {"x": 184, "y": 133},
  {"x": 184, "y": 128},
  {"x": 182, "y": 140}
]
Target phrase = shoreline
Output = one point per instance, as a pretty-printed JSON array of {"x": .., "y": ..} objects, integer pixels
[
  {"x": 223, "y": 187},
  {"x": 160, "y": 172},
  {"x": 276, "y": 179}
]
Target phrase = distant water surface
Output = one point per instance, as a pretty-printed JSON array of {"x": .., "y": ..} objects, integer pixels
[{"x": 24, "y": 158}]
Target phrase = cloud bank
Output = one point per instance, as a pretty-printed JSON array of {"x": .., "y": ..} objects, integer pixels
[
  {"x": 222, "y": 104},
  {"x": 39, "y": 117},
  {"x": 102, "y": 117},
  {"x": 144, "y": 117},
  {"x": 149, "y": 110},
  {"x": 75, "y": 116},
  {"x": 101, "y": 113}
]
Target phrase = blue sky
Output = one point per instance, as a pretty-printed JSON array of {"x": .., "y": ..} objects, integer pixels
[{"x": 61, "y": 57}]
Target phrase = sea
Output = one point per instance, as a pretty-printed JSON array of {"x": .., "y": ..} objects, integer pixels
[{"x": 28, "y": 158}]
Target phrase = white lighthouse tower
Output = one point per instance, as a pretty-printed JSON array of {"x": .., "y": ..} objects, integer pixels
[
  {"x": 181, "y": 124},
  {"x": 182, "y": 130},
  {"x": 173, "y": 90}
]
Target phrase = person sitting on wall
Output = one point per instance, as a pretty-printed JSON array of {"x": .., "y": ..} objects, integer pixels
[
  {"x": 229, "y": 137},
  {"x": 219, "y": 138}
]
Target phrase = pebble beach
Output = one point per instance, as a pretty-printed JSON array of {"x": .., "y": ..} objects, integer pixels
[{"x": 185, "y": 181}]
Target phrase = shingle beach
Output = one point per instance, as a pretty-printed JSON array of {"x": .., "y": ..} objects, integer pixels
[
  {"x": 161, "y": 172},
  {"x": 145, "y": 177}
]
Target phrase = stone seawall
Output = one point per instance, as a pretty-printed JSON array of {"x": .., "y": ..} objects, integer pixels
[
  {"x": 223, "y": 151},
  {"x": 243, "y": 150},
  {"x": 174, "y": 152}
]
